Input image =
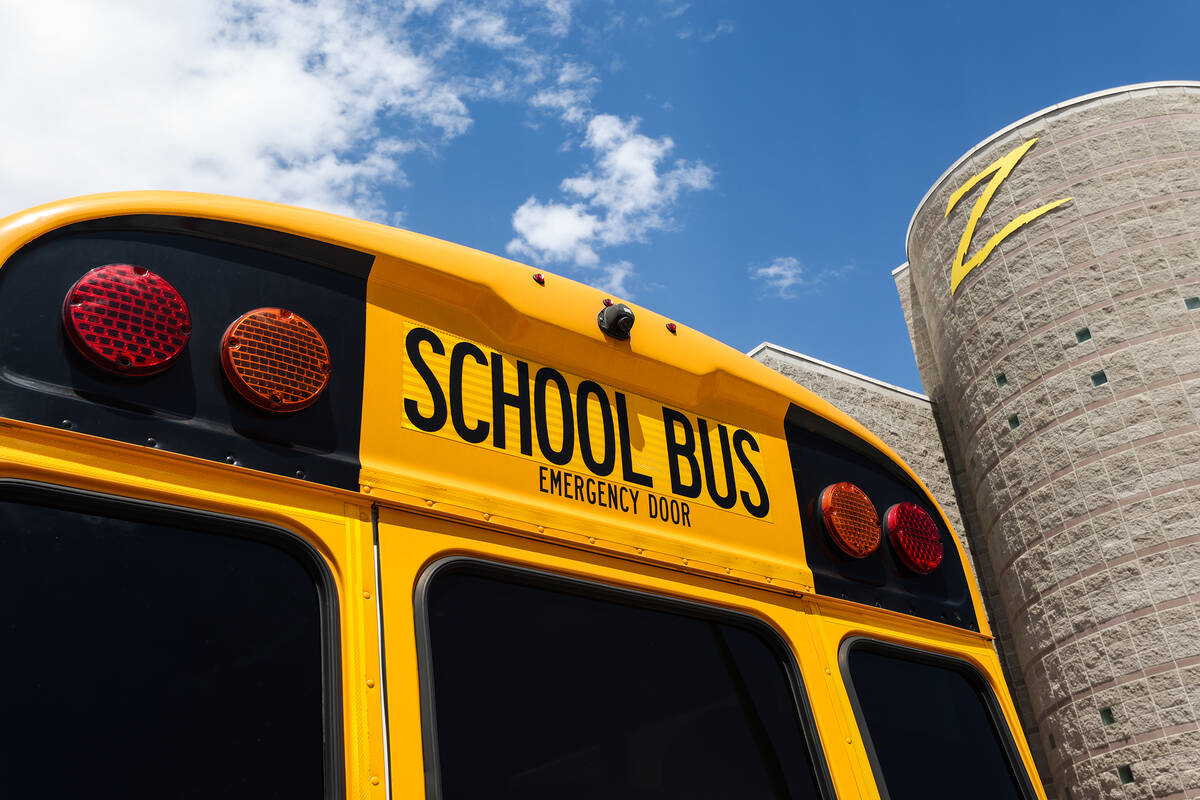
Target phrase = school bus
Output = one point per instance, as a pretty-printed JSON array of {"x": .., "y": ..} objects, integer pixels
[{"x": 293, "y": 505}]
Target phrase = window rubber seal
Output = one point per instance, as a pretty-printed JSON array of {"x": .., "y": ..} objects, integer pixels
[
  {"x": 101, "y": 504},
  {"x": 537, "y": 578},
  {"x": 977, "y": 680}
]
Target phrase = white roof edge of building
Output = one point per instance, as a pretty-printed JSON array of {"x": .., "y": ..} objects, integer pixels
[
  {"x": 900, "y": 269},
  {"x": 1048, "y": 110},
  {"x": 836, "y": 368}
]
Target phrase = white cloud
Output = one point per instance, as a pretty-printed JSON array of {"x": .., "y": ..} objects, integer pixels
[
  {"x": 785, "y": 275},
  {"x": 628, "y": 192},
  {"x": 554, "y": 232},
  {"x": 571, "y": 96},
  {"x": 723, "y": 27},
  {"x": 270, "y": 99},
  {"x": 782, "y": 276},
  {"x": 615, "y": 278},
  {"x": 559, "y": 12},
  {"x": 484, "y": 27}
]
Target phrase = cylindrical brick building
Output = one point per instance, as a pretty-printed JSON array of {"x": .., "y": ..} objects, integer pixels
[{"x": 1053, "y": 297}]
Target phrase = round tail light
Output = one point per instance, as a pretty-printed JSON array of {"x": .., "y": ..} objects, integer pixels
[
  {"x": 915, "y": 537},
  {"x": 127, "y": 319},
  {"x": 275, "y": 359},
  {"x": 850, "y": 518}
]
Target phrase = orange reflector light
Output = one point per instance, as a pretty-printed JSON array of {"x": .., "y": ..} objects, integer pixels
[
  {"x": 127, "y": 319},
  {"x": 275, "y": 359},
  {"x": 915, "y": 537},
  {"x": 850, "y": 519}
]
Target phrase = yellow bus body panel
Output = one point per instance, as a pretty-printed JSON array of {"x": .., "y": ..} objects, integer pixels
[{"x": 437, "y": 496}]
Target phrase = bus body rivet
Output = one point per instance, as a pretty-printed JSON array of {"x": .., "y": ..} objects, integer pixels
[
  {"x": 827, "y": 672},
  {"x": 300, "y": 474},
  {"x": 591, "y": 540},
  {"x": 374, "y": 781},
  {"x": 639, "y": 551},
  {"x": 66, "y": 423},
  {"x": 370, "y": 683},
  {"x": 366, "y": 595},
  {"x": 541, "y": 529},
  {"x": 366, "y": 490},
  {"x": 231, "y": 459},
  {"x": 847, "y": 740},
  {"x": 151, "y": 441}
]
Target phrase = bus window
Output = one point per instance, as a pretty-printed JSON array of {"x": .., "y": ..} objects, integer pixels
[
  {"x": 930, "y": 726},
  {"x": 548, "y": 689},
  {"x": 154, "y": 658}
]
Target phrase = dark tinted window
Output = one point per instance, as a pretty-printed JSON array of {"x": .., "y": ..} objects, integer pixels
[
  {"x": 147, "y": 660},
  {"x": 545, "y": 692},
  {"x": 931, "y": 727}
]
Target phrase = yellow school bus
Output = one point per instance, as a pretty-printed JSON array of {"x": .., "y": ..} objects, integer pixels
[{"x": 293, "y": 505}]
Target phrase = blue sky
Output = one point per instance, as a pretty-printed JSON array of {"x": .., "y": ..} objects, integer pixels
[{"x": 747, "y": 168}]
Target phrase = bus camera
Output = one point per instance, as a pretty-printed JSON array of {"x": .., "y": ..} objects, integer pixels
[{"x": 616, "y": 320}]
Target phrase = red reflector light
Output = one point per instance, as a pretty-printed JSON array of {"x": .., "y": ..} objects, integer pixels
[
  {"x": 275, "y": 359},
  {"x": 915, "y": 537},
  {"x": 850, "y": 518},
  {"x": 127, "y": 319}
]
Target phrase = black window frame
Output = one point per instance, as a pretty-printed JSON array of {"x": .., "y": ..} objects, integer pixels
[
  {"x": 963, "y": 667},
  {"x": 85, "y": 501},
  {"x": 537, "y": 578}
]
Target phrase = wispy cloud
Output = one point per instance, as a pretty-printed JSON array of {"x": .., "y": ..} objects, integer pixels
[
  {"x": 781, "y": 277},
  {"x": 571, "y": 94},
  {"x": 628, "y": 191},
  {"x": 785, "y": 277},
  {"x": 722, "y": 28}
]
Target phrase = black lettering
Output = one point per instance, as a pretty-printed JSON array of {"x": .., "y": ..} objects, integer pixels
[
  {"x": 457, "y": 356},
  {"x": 578, "y": 486},
  {"x": 663, "y": 508},
  {"x": 556, "y": 482},
  {"x": 601, "y": 494},
  {"x": 652, "y": 506},
  {"x": 591, "y": 490},
  {"x": 730, "y": 497},
  {"x": 436, "y": 418},
  {"x": 687, "y": 520},
  {"x": 604, "y": 465},
  {"x": 685, "y": 450},
  {"x": 614, "y": 497},
  {"x": 519, "y": 401},
  {"x": 628, "y": 473},
  {"x": 635, "y": 494},
  {"x": 544, "y": 376},
  {"x": 763, "y": 504},
  {"x": 542, "y": 479},
  {"x": 675, "y": 511}
]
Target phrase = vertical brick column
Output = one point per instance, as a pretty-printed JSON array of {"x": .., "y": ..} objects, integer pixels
[{"x": 1065, "y": 371}]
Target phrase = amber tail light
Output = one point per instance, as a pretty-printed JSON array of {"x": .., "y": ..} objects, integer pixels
[{"x": 275, "y": 359}]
